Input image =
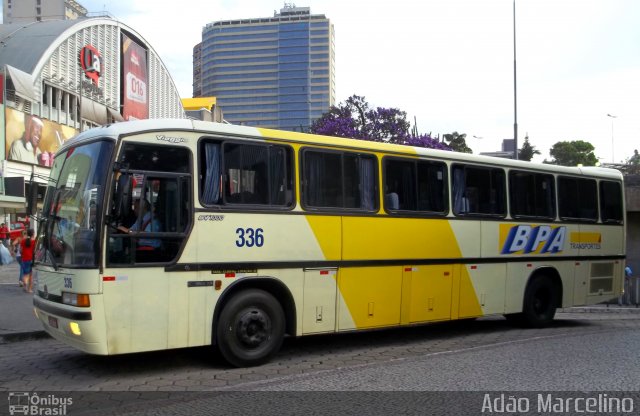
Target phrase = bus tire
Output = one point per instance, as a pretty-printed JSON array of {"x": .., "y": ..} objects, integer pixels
[
  {"x": 250, "y": 329},
  {"x": 540, "y": 302}
]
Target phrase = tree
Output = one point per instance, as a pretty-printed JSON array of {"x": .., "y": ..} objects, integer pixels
[
  {"x": 633, "y": 163},
  {"x": 526, "y": 152},
  {"x": 457, "y": 142},
  {"x": 577, "y": 152},
  {"x": 356, "y": 120}
]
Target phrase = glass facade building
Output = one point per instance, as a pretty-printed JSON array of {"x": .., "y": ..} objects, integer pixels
[{"x": 274, "y": 72}]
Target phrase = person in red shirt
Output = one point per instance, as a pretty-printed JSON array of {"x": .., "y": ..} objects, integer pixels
[
  {"x": 4, "y": 234},
  {"x": 27, "y": 245}
]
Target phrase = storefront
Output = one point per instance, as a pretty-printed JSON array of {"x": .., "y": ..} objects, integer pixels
[{"x": 59, "y": 77}]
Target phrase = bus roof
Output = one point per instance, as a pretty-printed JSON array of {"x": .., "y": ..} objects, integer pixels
[{"x": 117, "y": 130}]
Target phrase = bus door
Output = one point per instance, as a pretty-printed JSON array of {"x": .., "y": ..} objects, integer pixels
[{"x": 141, "y": 242}]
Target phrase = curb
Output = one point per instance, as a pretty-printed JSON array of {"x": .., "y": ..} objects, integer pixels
[
  {"x": 23, "y": 336},
  {"x": 602, "y": 309}
]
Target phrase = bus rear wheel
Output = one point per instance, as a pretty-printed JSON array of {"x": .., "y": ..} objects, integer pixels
[
  {"x": 250, "y": 329},
  {"x": 540, "y": 302}
]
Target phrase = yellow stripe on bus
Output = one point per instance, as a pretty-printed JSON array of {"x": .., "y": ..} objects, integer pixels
[{"x": 586, "y": 237}]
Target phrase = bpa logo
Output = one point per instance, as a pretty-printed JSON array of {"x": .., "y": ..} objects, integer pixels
[
  {"x": 534, "y": 239},
  {"x": 91, "y": 63}
]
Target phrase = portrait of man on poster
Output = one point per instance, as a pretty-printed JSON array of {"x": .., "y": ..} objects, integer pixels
[{"x": 26, "y": 148}]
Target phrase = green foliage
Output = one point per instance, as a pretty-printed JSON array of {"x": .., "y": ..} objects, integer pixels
[
  {"x": 457, "y": 142},
  {"x": 526, "y": 152},
  {"x": 574, "y": 153}
]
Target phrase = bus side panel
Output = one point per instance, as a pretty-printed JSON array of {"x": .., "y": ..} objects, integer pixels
[
  {"x": 371, "y": 295},
  {"x": 319, "y": 305},
  {"x": 236, "y": 238},
  {"x": 516, "y": 282},
  {"x": 318, "y": 301},
  {"x": 427, "y": 292},
  {"x": 605, "y": 277},
  {"x": 139, "y": 323},
  {"x": 486, "y": 289},
  {"x": 118, "y": 303},
  {"x": 179, "y": 310},
  {"x": 384, "y": 293},
  {"x": 385, "y": 238},
  {"x": 191, "y": 302}
]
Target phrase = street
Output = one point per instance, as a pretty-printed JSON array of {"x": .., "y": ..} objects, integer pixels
[{"x": 580, "y": 352}]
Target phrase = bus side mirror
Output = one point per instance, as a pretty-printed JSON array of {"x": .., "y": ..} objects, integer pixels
[{"x": 122, "y": 202}]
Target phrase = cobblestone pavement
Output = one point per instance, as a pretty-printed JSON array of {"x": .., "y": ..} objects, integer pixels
[
  {"x": 47, "y": 365},
  {"x": 157, "y": 382}
]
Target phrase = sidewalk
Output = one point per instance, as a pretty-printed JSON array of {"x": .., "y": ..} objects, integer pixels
[
  {"x": 17, "y": 320},
  {"x": 602, "y": 308}
]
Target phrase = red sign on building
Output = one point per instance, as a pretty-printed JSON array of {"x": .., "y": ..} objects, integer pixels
[{"x": 91, "y": 63}]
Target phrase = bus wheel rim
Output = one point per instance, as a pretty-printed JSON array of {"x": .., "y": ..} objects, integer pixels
[{"x": 253, "y": 328}]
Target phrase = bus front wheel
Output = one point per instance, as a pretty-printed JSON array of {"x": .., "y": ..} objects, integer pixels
[{"x": 250, "y": 329}]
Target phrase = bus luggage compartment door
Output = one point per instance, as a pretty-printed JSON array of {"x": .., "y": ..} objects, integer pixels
[
  {"x": 319, "y": 310},
  {"x": 427, "y": 289}
]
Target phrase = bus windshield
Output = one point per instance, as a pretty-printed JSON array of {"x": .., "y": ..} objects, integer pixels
[{"x": 68, "y": 236}]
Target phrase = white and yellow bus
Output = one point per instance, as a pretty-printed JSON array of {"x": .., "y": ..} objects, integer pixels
[{"x": 241, "y": 236}]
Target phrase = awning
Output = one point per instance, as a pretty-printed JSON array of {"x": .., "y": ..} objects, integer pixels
[
  {"x": 93, "y": 111},
  {"x": 114, "y": 114},
  {"x": 22, "y": 82}
]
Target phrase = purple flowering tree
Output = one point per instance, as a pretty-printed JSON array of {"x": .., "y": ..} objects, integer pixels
[{"x": 356, "y": 120}]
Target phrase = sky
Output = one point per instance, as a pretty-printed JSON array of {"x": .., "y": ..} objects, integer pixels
[{"x": 449, "y": 64}]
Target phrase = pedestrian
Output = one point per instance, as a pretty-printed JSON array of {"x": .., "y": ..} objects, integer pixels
[
  {"x": 17, "y": 250},
  {"x": 625, "y": 298},
  {"x": 26, "y": 246},
  {"x": 4, "y": 232}
]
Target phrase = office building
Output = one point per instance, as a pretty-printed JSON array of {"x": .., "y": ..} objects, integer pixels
[
  {"x": 276, "y": 72},
  {"x": 27, "y": 11}
]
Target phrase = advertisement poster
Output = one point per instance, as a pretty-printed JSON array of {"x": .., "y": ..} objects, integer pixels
[
  {"x": 33, "y": 140},
  {"x": 135, "y": 99}
]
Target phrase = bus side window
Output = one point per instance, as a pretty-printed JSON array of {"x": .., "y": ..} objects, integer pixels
[{"x": 163, "y": 186}]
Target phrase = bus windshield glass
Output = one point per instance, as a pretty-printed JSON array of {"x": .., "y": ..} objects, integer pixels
[{"x": 73, "y": 206}]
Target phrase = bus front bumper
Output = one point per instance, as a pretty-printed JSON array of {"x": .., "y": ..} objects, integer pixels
[{"x": 77, "y": 327}]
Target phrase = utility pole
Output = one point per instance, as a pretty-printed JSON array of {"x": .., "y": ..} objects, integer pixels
[{"x": 515, "y": 89}]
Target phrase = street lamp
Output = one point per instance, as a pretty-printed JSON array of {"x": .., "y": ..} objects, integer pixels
[
  {"x": 515, "y": 90},
  {"x": 613, "y": 158}
]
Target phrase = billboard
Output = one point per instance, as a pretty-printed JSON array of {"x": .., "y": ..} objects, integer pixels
[
  {"x": 135, "y": 79},
  {"x": 30, "y": 139}
]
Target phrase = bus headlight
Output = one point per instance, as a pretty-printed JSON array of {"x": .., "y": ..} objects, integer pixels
[{"x": 76, "y": 299}]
